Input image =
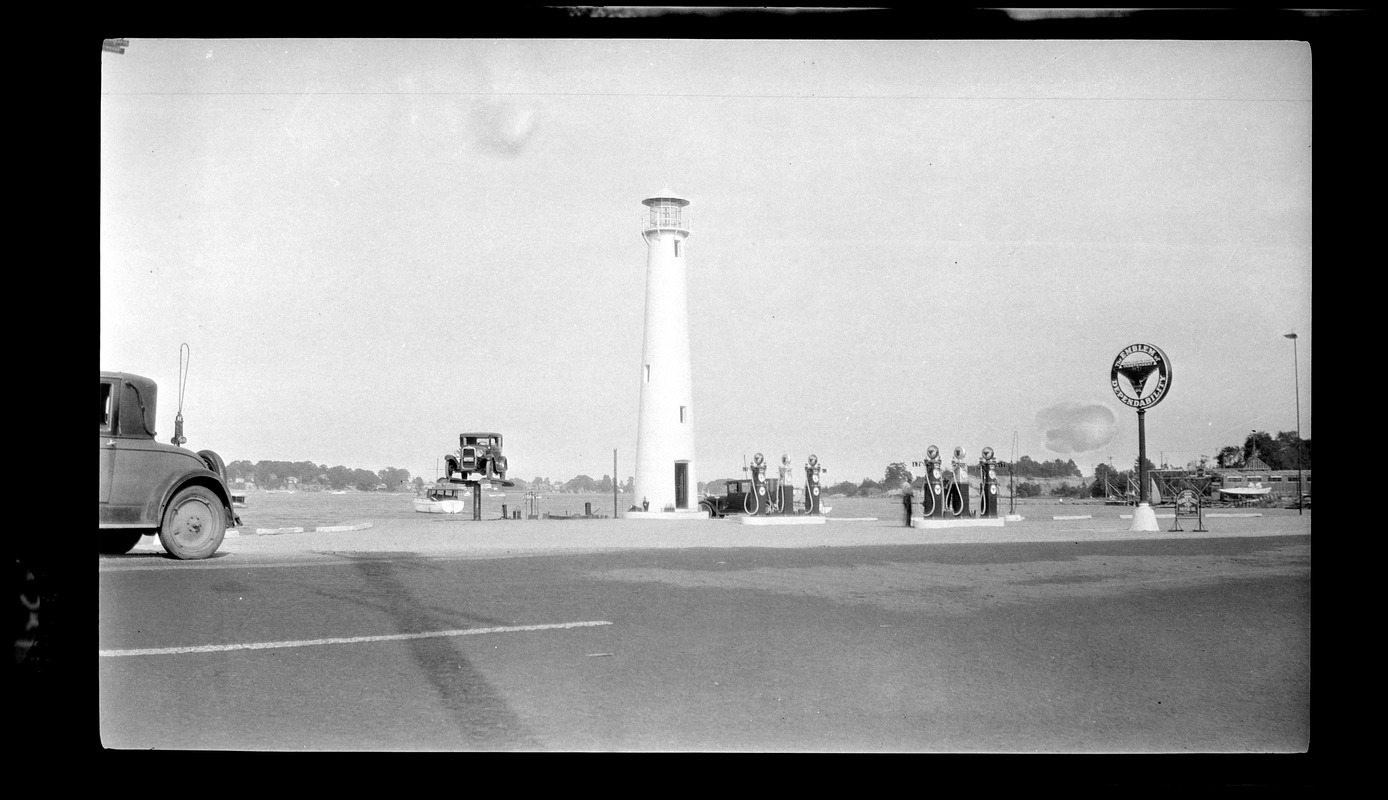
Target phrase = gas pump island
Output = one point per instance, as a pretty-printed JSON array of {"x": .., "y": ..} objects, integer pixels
[
  {"x": 772, "y": 500},
  {"x": 945, "y": 499}
]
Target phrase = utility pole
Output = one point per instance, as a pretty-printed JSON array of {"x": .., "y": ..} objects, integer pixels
[{"x": 1296, "y": 371}]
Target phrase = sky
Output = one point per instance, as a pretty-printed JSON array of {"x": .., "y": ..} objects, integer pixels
[{"x": 370, "y": 246}]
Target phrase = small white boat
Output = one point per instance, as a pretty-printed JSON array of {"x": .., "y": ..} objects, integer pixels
[
  {"x": 442, "y": 499},
  {"x": 1250, "y": 492}
]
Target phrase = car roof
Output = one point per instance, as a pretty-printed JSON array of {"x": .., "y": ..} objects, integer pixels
[
  {"x": 126, "y": 376},
  {"x": 479, "y": 434}
]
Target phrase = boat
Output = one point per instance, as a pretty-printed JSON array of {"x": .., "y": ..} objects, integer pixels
[
  {"x": 1250, "y": 492},
  {"x": 443, "y": 499}
]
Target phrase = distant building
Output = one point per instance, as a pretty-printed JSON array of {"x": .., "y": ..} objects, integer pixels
[{"x": 1283, "y": 482}]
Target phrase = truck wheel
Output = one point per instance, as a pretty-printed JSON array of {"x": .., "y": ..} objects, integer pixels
[
  {"x": 194, "y": 524},
  {"x": 115, "y": 543}
]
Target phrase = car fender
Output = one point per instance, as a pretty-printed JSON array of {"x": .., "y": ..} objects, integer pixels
[{"x": 178, "y": 481}]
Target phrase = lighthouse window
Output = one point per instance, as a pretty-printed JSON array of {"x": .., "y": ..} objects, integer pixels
[
  {"x": 677, "y": 248},
  {"x": 682, "y": 413},
  {"x": 647, "y": 370}
]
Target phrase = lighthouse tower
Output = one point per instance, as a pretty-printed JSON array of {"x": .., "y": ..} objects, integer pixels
[{"x": 665, "y": 477}]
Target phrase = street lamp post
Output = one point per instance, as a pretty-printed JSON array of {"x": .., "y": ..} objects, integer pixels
[{"x": 1296, "y": 371}]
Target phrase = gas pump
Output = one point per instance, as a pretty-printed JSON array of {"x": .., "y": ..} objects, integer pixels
[
  {"x": 988, "y": 478},
  {"x": 957, "y": 486},
  {"x": 785, "y": 489},
  {"x": 932, "y": 498},
  {"x": 757, "y": 502},
  {"x": 812, "y": 470}
]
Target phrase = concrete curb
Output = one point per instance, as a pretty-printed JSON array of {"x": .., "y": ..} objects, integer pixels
[{"x": 360, "y": 526}]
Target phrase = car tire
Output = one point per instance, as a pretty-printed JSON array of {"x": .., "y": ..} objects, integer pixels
[
  {"x": 214, "y": 462},
  {"x": 116, "y": 543},
  {"x": 194, "y": 524}
]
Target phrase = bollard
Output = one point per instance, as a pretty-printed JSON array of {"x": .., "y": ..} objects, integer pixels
[{"x": 504, "y": 515}]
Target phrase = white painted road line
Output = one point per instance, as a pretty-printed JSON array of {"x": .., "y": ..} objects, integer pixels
[{"x": 394, "y": 637}]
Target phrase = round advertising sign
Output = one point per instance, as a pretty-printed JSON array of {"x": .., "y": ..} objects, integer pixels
[{"x": 1141, "y": 375}]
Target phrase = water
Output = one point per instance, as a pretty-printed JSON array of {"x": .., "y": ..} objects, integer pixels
[{"x": 319, "y": 509}]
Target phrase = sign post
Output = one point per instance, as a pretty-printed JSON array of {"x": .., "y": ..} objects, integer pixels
[
  {"x": 1136, "y": 364},
  {"x": 1188, "y": 505}
]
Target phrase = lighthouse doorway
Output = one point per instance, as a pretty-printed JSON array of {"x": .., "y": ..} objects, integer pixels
[{"x": 682, "y": 484}]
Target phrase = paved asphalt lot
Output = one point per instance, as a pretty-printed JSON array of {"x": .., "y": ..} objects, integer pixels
[
  {"x": 985, "y": 598},
  {"x": 453, "y": 534}
]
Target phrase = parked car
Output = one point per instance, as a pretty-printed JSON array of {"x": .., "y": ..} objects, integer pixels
[
  {"x": 732, "y": 501},
  {"x": 148, "y": 487}
]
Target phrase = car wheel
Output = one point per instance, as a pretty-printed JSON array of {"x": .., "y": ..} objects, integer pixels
[
  {"x": 214, "y": 463},
  {"x": 115, "y": 543},
  {"x": 194, "y": 524}
]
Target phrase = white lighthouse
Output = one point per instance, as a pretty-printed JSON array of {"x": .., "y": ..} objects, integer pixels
[{"x": 665, "y": 475}]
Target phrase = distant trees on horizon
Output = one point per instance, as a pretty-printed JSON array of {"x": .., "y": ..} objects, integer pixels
[
  {"x": 1280, "y": 452},
  {"x": 308, "y": 475}
]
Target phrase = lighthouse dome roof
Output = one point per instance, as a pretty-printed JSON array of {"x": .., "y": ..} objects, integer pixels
[{"x": 665, "y": 194}]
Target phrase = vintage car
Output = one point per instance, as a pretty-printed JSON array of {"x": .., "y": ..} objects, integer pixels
[
  {"x": 732, "y": 501},
  {"x": 148, "y": 487},
  {"x": 478, "y": 458}
]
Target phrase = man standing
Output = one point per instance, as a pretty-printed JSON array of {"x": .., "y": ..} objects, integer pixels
[{"x": 906, "y": 501}]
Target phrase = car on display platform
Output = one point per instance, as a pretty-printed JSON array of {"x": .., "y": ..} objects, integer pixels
[
  {"x": 478, "y": 458},
  {"x": 149, "y": 488}
]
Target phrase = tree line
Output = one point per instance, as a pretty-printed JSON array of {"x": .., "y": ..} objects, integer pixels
[
  {"x": 898, "y": 474},
  {"x": 1281, "y": 452},
  {"x": 1286, "y": 450},
  {"x": 307, "y": 475}
]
